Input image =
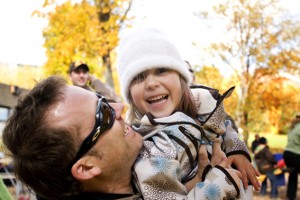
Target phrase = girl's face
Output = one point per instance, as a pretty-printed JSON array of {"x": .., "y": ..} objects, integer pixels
[{"x": 157, "y": 91}]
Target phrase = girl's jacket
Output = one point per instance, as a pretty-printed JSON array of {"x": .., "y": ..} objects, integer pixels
[{"x": 168, "y": 159}]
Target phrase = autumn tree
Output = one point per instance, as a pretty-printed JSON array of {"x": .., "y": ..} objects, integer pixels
[
  {"x": 210, "y": 76},
  {"x": 87, "y": 30},
  {"x": 276, "y": 100},
  {"x": 261, "y": 36}
]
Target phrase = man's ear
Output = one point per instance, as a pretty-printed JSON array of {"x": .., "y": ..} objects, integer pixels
[{"x": 85, "y": 169}]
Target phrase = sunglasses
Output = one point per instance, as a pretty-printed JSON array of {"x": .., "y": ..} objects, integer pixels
[{"x": 105, "y": 117}]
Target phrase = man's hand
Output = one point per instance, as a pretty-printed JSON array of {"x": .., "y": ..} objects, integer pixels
[
  {"x": 218, "y": 158},
  {"x": 91, "y": 78},
  {"x": 217, "y": 154},
  {"x": 202, "y": 163}
]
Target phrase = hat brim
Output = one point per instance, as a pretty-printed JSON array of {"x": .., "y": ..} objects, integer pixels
[{"x": 82, "y": 66}]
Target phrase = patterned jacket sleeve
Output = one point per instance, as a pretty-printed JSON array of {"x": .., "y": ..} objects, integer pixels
[
  {"x": 232, "y": 144},
  {"x": 219, "y": 184},
  {"x": 208, "y": 100}
]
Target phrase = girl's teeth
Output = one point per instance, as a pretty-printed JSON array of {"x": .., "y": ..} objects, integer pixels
[{"x": 157, "y": 99}]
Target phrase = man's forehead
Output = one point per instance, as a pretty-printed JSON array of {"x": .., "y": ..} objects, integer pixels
[
  {"x": 75, "y": 96},
  {"x": 75, "y": 103}
]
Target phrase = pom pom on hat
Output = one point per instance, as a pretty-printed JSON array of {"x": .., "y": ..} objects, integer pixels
[{"x": 145, "y": 49}]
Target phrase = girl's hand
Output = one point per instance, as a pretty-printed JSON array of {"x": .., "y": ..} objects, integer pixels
[
  {"x": 249, "y": 173},
  {"x": 235, "y": 174}
]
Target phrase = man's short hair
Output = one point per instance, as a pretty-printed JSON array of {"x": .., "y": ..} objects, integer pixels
[
  {"x": 262, "y": 140},
  {"x": 41, "y": 153}
]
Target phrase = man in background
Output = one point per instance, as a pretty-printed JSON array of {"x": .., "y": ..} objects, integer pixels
[
  {"x": 255, "y": 143},
  {"x": 80, "y": 76}
]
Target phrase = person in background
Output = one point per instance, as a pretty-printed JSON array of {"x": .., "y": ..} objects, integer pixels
[
  {"x": 291, "y": 156},
  {"x": 4, "y": 192},
  {"x": 255, "y": 143},
  {"x": 191, "y": 72},
  {"x": 266, "y": 162},
  {"x": 80, "y": 76},
  {"x": 70, "y": 143}
]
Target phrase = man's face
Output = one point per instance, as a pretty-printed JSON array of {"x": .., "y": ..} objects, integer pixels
[
  {"x": 119, "y": 145},
  {"x": 79, "y": 77}
]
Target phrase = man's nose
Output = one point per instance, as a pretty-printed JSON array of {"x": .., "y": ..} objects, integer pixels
[
  {"x": 118, "y": 107},
  {"x": 81, "y": 73}
]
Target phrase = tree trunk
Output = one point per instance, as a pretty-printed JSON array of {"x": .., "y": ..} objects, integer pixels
[{"x": 108, "y": 72}]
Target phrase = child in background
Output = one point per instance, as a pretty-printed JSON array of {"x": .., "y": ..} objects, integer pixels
[
  {"x": 266, "y": 162},
  {"x": 155, "y": 82}
]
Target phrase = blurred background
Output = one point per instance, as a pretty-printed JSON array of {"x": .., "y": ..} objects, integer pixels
[{"x": 250, "y": 44}]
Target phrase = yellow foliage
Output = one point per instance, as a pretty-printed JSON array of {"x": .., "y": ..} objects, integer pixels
[{"x": 82, "y": 30}]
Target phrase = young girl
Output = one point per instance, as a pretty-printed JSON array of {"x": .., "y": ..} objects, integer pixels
[{"x": 155, "y": 82}]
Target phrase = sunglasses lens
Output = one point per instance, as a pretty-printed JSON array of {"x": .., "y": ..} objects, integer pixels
[{"x": 107, "y": 115}]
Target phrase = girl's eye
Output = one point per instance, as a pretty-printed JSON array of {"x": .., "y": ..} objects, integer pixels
[
  {"x": 161, "y": 70},
  {"x": 139, "y": 78}
]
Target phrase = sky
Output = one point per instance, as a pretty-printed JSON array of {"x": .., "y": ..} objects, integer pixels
[{"x": 21, "y": 40}]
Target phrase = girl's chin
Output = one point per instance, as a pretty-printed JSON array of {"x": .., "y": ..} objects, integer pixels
[{"x": 161, "y": 114}]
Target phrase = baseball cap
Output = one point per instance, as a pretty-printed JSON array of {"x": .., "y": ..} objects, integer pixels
[{"x": 78, "y": 64}]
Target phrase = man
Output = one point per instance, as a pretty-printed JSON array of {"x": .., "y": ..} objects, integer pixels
[
  {"x": 69, "y": 143},
  {"x": 79, "y": 75},
  {"x": 45, "y": 135}
]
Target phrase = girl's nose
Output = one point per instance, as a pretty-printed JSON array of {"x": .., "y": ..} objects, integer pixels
[{"x": 151, "y": 81}]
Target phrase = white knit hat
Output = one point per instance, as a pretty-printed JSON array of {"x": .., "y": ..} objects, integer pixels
[{"x": 146, "y": 49}]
